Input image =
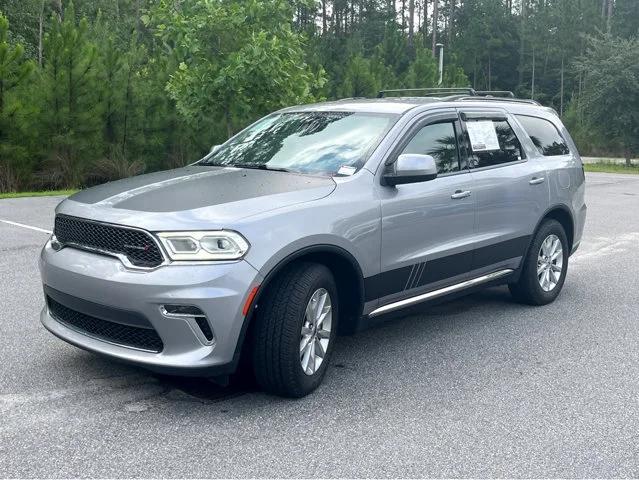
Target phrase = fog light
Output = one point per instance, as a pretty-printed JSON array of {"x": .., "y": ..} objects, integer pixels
[
  {"x": 187, "y": 310},
  {"x": 55, "y": 244},
  {"x": 192, "y": 313}
]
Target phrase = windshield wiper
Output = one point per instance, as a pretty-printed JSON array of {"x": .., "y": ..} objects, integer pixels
[
  {"x": 253, "y": 166},
  {"x": 259, "y": 166}
]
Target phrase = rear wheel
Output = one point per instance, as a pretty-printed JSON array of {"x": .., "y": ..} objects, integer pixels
[
  {"x": 295, "y": 330},
  {"x": 545, "y": 266}
]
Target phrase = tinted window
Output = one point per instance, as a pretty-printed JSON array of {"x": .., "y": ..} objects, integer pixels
[
  {"x": 439, "y": 141},
  {"x": 544, "y": 135},
  {"x": 306, "y": 142},
  {"x": 509, "y": 147}
]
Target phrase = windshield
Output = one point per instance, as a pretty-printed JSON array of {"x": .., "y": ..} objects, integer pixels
[{"x": 324, "y": 143}]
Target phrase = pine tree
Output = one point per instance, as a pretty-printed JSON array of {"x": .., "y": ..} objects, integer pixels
[
  {"x": 612, "y": 100},
  {"x": 70, "y": 109},
  {"x": 359, "y": 79},
  {"x": 14, "y": 73}
]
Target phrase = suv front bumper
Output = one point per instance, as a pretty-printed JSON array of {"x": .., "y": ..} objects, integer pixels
[{"x": 219, "y": 290}]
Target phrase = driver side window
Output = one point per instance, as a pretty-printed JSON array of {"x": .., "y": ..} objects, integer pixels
[{"x": 440, "y": 141}]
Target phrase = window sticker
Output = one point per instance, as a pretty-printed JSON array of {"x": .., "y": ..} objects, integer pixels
[
  {"x": 346, "y": 170},
  {"x": 483, "y": 136}
]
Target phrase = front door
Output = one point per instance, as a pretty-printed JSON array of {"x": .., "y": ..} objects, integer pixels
[{"x": 427, "y": 227}]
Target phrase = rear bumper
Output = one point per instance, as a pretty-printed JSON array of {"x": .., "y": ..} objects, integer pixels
[{"x": 219, "y": 290}]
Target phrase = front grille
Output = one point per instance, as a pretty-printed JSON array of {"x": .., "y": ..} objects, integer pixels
[
  {"x": 138, "y": 246},
  {"x": 125, "y": 335}
]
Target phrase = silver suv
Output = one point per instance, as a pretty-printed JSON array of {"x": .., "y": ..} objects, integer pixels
[{"x": 315, "y": 218}]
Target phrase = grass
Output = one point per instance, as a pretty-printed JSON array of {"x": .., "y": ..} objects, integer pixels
[
  {"x": 48, "y": 193},
  {"x": 608, "y": 167}
]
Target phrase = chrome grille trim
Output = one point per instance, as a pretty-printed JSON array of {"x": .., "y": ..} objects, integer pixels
[{"x": 102, "y": 251}]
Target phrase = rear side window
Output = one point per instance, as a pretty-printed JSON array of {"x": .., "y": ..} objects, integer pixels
[
  {"x": 500, "y": 144},
  {"x": 440, "y": 141},
  {"x": 544, "y": 135}
]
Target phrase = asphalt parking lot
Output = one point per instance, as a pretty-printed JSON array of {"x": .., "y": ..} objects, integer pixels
[{"x": 478, "y": 387}]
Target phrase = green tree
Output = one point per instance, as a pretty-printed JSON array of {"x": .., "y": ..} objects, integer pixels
[
  {"x": 611, "y": 97},
  {"x": 118, "y": 87},
  {"x": 359, "y": 79},
  {"x": 423, "y": 71},
  {"x": 238, "y": 59},
  {"x": 23, "y": 16},
  {"x": 487, "y": 45},
  {"x": 126, "y": 85},
  {"x": 69, "y": 112},
  {"x": 625, "y": 22},
  {"x": 14, "y": 72}
]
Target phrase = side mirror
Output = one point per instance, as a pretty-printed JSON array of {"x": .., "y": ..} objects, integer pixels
[
  {"x": 214, "y": 148},
  {"x": 411, "y": 168}
]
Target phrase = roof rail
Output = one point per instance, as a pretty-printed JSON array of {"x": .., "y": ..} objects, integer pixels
[
  {"x": 495, "y": 93},
  {"x": 462, "y": 93},
  {"x": 430, "y": 91},
  {"x": 498, "y": 99}
]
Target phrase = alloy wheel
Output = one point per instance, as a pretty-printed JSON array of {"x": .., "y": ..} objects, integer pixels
[
  {"x": 550, "y": 261},
  {"x": 316, "y": 331}
]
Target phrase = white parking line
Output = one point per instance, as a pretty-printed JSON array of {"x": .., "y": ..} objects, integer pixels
[{"x": 37, "y": 229}]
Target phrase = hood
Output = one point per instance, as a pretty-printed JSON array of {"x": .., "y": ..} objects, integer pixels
[{"x": 195, "y": 194}]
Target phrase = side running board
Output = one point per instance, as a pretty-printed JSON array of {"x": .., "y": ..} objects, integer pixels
[{"x": 440, "y": 292}]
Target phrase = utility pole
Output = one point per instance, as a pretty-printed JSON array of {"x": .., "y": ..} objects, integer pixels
[
  {"x": 522, "y": 41},
  {"x": 411, "y": 22},
  {"x": 440, "y": 47},
  {"x": 561, "y": 100},
  {"x": 609, "y": 20},
  {"x": 323, "y": 17},
  {"x": 40, "y": 33},
  {"x": 532, "y": 95},
  {"x": 435, "y": 21}
]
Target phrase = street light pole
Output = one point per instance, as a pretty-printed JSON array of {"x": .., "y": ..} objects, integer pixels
[{"x": 440, "y": 47}]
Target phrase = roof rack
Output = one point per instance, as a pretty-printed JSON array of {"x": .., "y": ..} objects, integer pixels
[
  {"x": 428, "y": 92},
  {"x": 495, "y": 93},
  {"x": 462, "y": 93},
  {"x": 498, "y": 99}
]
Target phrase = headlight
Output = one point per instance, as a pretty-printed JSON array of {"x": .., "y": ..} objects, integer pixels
[{"x": 212, "y": 245}]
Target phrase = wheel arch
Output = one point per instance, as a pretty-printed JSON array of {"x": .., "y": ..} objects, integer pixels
[
  {"x": 558, "y": 212},
  {"x": 563, "y": 215},
  {"x": 348, "y": 277},
  {"x": 342, "y": 264}
]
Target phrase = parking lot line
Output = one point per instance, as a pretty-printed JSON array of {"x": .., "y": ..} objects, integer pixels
[{"x": 37, "y": 229}]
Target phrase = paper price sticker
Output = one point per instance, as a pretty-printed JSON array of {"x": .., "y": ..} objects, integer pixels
[
  {"x": 483, "y": 136},
  {"x": 346, "y": 170}
]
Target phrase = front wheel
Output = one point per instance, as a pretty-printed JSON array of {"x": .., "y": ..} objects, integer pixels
[
  {"x": 545, "y": 266},
  {"x": 295, "y": 330}
]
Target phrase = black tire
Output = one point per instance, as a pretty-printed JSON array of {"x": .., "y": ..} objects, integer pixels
[
  {"x": 528, "y": 289},
  {"x": 277, "y": 330}
]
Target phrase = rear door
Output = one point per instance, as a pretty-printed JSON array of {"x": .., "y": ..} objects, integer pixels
[
  {"x": 565, "y": 174},
  {"x": 427, "y": 227},
  {"x": 510, "y": 187}
]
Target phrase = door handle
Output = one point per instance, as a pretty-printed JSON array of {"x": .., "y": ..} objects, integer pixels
[
  {"x": 460, "y": 194},
  {"x": 536, "y": 180}
]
